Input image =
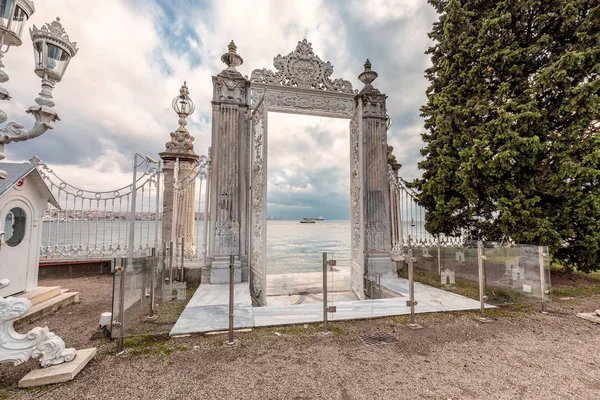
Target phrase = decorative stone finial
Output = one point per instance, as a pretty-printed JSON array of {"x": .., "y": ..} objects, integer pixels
[
  {"x": 181, "y": 140},
  {"x": 232, "y": 59},
  {"x": 232, "y": 47},
  {"x": 184, "y": 91},
  {"x": 367, "y": 76}
]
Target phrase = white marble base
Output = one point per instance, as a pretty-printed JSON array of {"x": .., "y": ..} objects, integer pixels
[
  {"x": 380, "y": 264},
  {"x": 221, "y": 275},
  {"x": 58, "y": 373},
  {"x": 207, "y": 311}
]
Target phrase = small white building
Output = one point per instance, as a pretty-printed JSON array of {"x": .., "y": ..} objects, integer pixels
[{"x": 23, "y": 201}]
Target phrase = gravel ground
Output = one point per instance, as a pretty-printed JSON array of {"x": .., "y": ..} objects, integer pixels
[{"x": 520, "y": 355}]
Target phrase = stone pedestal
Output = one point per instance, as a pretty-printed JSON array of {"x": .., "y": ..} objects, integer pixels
[
  {"x": 230, "y": 169},
  {"x": 219, "y": 271}
]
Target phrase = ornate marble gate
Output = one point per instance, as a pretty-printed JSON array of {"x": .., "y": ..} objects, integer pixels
[{"x": 301, "y": 84}]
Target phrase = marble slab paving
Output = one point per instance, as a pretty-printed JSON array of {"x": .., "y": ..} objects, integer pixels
[
  {"x": 208, "y": 310},
  {"x": 338, "y": 280},
  {"x": 429, "y": 299}
]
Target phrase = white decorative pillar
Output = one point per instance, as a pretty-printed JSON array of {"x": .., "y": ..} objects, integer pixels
[
  {"x": 230, "y": 170},
  {"x": 376, "y": 202},
  {"x": 179, "y": 153}
]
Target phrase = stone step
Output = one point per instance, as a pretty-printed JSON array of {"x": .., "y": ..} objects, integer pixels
[
  {"x": 46, "y": 307},
  {"x": 41, "y": 294}
]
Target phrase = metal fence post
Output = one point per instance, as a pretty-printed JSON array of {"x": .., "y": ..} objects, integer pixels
[
  {"x": 543, "y": 280},
  {"x": 325, "y": 292},
  {"x": 182, "y": 256},
  {"x": 231, "y": 287},
  {"x": 163, "y": 266},
  {"x": 170, "y": 270},
  {"x": 156, "y": 219},
  {"x": 121, "y": 305},
  {"x": 439, "y": 256},
  {"x": 480, "y": 259},
  {"x": 153, "y": 264},
  {"x": 411, "y": 288}
]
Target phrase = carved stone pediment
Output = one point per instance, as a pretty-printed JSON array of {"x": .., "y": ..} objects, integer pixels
[{"x": 303, "y": 69}]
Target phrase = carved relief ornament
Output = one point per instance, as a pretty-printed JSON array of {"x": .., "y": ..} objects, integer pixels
[
  {"x": 259, "y": 125},
  {"x": 229, "y": 89},
  {"x": 302, "y": 69}
]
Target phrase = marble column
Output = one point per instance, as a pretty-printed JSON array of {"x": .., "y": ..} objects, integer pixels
[
  {"x": 376, "y": 202},
  {"x": 179, "y": 151},
  {"x": 230, "y": 170}
]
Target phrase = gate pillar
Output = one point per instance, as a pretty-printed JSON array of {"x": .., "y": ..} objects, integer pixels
[
  {"x": 376, "y": 202},
  {"x": 181, "y": 147},
  {"x": 230, "y": 169}
]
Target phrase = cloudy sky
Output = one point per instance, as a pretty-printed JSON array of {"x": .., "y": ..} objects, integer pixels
[{"x": 115, "y": 98}]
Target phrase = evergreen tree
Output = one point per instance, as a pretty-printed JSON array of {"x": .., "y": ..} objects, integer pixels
[{"x": 512, "y": 147}]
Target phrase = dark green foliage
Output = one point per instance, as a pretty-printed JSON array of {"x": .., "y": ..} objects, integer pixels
[{"x": 512, "y": 147}]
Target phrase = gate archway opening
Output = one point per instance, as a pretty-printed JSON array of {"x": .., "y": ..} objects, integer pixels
[{"x": 308, "y": 208}]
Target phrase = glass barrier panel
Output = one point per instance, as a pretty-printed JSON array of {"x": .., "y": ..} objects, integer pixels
[
  {"x": 546, "y": 261},
  {"x": 145, "y": 298},
  {"x": 511, "y": 272}
]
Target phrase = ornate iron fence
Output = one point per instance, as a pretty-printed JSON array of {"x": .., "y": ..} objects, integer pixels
[
  {"x": 408, "y": 218},
  {"x": 96, "y": 224}
]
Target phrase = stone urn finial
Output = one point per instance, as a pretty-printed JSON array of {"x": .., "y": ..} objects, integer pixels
[
  {"x": 232, "y": 59},
  {"x": 367, "y": 76},
  {"x": 184, "y": 91}
]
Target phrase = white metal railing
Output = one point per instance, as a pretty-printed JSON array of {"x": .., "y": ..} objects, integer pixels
[
  {"x": 96, "y": 224},
  {"x": 407, "y": 217}
]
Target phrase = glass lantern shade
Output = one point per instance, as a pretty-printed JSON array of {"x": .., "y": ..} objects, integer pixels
[
  {"x": 51, "y": 61},
  {"x": 183, "y": 105},
  {"x": 12, "y": 21}
]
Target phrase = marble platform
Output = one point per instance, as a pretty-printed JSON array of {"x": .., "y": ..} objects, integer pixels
[
  {"x": 207, "y": 311},
  {"x": 338, "y": 280}
]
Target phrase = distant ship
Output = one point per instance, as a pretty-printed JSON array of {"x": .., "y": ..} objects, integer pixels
[
  {"x": 307, "y": 221},
  {"x": 313, "y": 219}
]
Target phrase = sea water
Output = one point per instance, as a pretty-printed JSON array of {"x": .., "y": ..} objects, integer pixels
[
  {"x": 291, "y": 246},
  {"x": 294, "y": 247}
]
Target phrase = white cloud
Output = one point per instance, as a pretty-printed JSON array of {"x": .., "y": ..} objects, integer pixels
[
  {"x": 380, "y": 11},
  {"x": 116, "y": 96}
]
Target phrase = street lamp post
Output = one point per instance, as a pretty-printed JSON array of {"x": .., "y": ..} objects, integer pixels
[{"x": 52, "y": 50}]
